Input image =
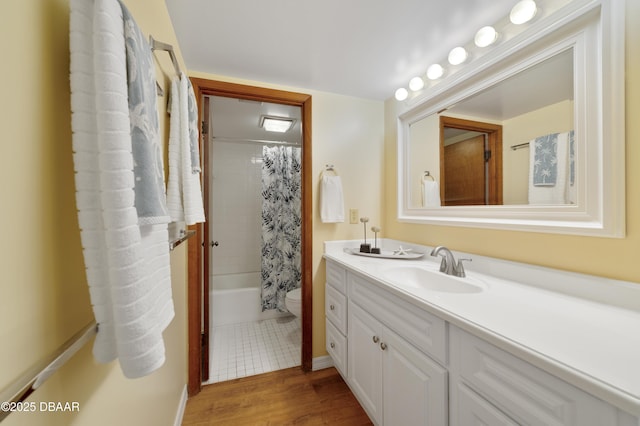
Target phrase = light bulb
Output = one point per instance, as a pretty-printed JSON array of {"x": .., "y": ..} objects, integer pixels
[
  {"x": 486, "y": 36},
  {"x": 402, "y": 94},
  {"x": 457, "y": 56},
  {"x": 435, "y": 71},
  {"x": 523, "y": 12},
  {"x": 416, "y": 84}
]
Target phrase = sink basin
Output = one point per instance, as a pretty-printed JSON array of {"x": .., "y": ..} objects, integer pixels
[{"x": 422, "y": 278}]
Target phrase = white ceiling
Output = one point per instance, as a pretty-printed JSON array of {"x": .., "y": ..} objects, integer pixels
[
  {"x": 237, "y": 119},
  {"x": 364, "y": 48}
]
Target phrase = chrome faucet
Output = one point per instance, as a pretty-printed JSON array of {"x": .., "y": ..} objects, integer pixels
[{"x": 448, "y": 264}]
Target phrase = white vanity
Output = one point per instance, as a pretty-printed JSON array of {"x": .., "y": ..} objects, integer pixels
[{"x": 509, "y": 344}]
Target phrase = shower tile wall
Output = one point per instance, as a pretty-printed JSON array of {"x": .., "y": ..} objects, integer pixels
[{"x": 236, "y": 207}]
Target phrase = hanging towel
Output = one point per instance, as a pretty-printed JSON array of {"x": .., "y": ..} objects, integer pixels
[
  {"x": 151, "y": 202},
  {"x": 549, "y": 169},
  {"x": 331, "y": 199},
  {"x": 194, "y": 146},
  {"x": 430, "y": 193},
  {"x": 184, "y": 193},
  {"x": 126, "y": 264}
]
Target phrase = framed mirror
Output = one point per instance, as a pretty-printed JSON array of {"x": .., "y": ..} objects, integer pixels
[{"x": 529, "y": 137}]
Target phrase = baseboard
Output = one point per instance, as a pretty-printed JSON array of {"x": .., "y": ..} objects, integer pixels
[
  {"x": 321, "y": 362},
  {"x": 181, "y": 407}
]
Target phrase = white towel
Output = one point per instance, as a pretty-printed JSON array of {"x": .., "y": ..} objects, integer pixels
[
  {"x": 553, "y": 194},
  {"x": 184, "y": 193},
  {"x": 331, "y": 200},
  {"x": 127, "y": 266},
  {"x": 430, "y": 193}
]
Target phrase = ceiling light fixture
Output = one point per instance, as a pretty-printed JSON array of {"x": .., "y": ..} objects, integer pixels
[
  {"x": 523, "y": 12},
  {"x": 435, "y": 71},
  {"x": 457, "y": 55},
  {"x": 402, "y": 94},
  {"x": 486, "y": 36},
  {"x": 276, "y": 124},
  {"x": 416, "y": 84}
]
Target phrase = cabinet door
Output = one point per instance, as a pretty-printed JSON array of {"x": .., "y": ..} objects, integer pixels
[
  {"x": 414, "y": 386},
  {"x": 365, "y": 360},
  {"x": 473, "y": 410}
]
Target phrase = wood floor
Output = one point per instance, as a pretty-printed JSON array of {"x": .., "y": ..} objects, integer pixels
[{"x": 285, "y": 397}]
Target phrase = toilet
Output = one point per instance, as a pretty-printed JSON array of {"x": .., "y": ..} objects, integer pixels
[{"x": 293, "y": 302}]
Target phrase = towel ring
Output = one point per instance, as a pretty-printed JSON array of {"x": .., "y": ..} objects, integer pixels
[
  {"x": 427, "y": 174},
  {"x": 329, "y": 168}
]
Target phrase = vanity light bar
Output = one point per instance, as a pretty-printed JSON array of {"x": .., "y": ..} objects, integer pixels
[{"x": 523, "y": 12}]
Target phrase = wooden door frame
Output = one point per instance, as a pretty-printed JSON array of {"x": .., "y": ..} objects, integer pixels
[
  {"x": 196, "y": 281},
  {"x": 494, "y": 132}
]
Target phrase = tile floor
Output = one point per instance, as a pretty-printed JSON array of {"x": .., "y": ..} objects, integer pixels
[{"x": 240, "y": 350}]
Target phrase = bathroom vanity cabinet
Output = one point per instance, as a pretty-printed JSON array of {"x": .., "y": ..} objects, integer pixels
[{"x": 408, "y": 365}]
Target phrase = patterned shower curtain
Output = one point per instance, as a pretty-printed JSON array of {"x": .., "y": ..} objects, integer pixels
[{"x": 281, "y": 225}]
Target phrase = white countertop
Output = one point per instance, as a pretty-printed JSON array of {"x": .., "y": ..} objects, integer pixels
[{"x": 571, "y": 333}]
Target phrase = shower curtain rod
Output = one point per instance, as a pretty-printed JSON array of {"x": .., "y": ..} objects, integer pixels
[{"x": 256, "y": 141}]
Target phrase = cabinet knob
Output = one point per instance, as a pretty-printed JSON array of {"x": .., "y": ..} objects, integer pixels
[
  {"x": 376, "y": 339},
  {"x": 332, "y": 307},
  {"x": 383, "y": 346},
  {"x": 333, "y": 345}
]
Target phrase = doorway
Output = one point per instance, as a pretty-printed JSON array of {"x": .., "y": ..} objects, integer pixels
[
  {"x": 199, "y": 249},
  {"x": 254, "y": 223},
  {"x": 470, "y": 162}
]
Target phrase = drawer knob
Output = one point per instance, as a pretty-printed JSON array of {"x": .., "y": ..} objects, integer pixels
[
  {"x": 383, "y": 346},
  {"x": 333, "y": 345},
  {"x": 332, "y": 307},
  {"x": 376, "y": 339}
]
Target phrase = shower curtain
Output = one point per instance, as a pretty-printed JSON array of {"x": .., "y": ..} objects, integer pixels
[{"x": 281, "y": 225}]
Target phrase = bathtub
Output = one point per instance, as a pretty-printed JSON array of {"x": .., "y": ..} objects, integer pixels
[{"x": 235, "y": 299}]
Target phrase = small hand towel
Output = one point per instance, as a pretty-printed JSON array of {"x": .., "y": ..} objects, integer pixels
[
  {"x": 430, "y": 193},
  {"x": 548, "y": 185},
  {"x": 331, "y": 200},
  {"x": 184, "y": 193}
]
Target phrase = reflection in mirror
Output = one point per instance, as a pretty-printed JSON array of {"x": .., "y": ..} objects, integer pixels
[
  {"x": 562, "y": 77},
  {"x": 508, "y": 144}
]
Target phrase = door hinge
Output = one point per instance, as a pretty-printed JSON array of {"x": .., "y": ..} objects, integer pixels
[
  {"x": 204, "y": 129},
  {"x": 487, "y": 155}
]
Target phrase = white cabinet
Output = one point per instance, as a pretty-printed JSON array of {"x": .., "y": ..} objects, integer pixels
[
  {"x": 396, "y": 383},
  {"x": 408, "y": 366},
  {"x": 489, "y": 381},
  {"x": 336, "y": 313}
]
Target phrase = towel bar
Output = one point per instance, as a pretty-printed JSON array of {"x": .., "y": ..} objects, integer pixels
[
  {"x": 520, "y": 146},
  {"x": 24, "y": 386},
  {"x": 158, "y": 45}
]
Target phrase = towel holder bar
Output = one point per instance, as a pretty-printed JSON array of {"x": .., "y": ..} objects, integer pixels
[
  {"x": 520, "y": 146},
  {"x": 24, "y": 386},
  {"x": 158, "y": 45}
]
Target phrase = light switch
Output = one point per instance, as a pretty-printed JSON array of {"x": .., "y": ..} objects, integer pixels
[{"x": 353, "y": 215}]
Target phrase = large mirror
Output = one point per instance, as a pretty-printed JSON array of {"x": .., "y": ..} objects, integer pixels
[{"x": 530, "y": 138}]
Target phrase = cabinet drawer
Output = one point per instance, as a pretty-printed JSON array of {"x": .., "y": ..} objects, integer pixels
[
  {"x": 422, "y": 329},
  {"x": 337, "y": 276},
  {"x": 524, "y": 392},
  {"x": 337, "y": 348},
  {"x": 336, "y": 308}
]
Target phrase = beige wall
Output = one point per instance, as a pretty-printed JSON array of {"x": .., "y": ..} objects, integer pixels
[
  {"x": 44, "y": 296},
  {"x": 348, "y": 133},
  {"x": 615, "y": 258}
]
